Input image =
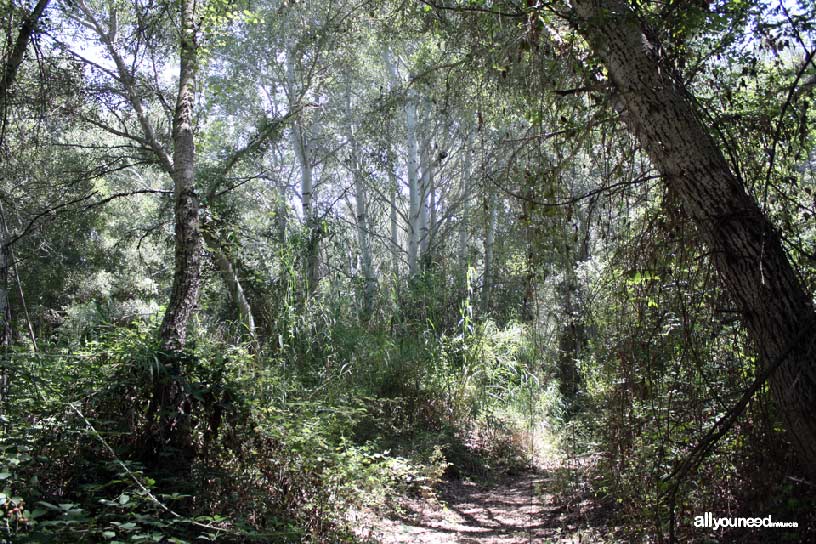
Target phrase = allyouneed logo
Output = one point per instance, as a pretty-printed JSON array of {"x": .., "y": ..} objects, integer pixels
[{"x": 709, "y": 521}]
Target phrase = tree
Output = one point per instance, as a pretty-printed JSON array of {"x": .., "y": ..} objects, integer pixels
[
  {"x": 302, "y": 146},
  {"x": 363, "y": 222},
  {"x": 745, "y": 247},
  {"x": 187, "y": 274},
  {"x": 180, "y": 163},
  {"x": 167, "y": 416},
  {"x": 15, "y": 58},
  {"x": 11, "y": 65}
]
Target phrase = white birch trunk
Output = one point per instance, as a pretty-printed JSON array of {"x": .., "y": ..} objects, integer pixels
[
  {"x": 429, "y": 244},
  {"x": 395, "y": 243},
  {"x": 361, "y": 216},
  {"x": 300, "y": 145},
  {"x": 396, "y": 248},
  {"x": 489, "y": 244},
  {"x": 426, "y": 168},
  {"x": 414, "y": 190},
  {"x": 467, "y": 171}
]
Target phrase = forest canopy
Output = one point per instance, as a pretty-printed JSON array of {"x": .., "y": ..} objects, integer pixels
[{"x": 281, "y": 271}]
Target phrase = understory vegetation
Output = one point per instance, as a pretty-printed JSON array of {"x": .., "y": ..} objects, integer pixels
[{"x": 268, "y": 268}]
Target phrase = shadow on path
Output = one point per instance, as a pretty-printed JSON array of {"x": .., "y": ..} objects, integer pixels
[{"x": 515, "y": 510}]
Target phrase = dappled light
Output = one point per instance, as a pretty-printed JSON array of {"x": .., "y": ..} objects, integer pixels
[{"x": 427, "y": 271}]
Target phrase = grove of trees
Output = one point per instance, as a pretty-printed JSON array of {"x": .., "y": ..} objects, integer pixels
[{"x": 267, "y": 265}]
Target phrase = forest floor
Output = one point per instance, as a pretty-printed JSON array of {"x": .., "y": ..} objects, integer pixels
[{"x": 549, "y": 504}]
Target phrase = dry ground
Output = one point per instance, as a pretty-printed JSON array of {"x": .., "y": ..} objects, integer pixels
[{"x": 515, "y": 510}]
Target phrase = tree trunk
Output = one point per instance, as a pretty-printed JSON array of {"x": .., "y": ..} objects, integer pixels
[
  {"x": 15, "y": 58},
  {"x": 395, "y": 244},
  {"x": 426, "y": 167},
  {"x": 186, "y": 277},
  {"x": 167, "y": 442},
  {"x": 427, "y": 258},
  {"x": 572, "y": 336},
  {"x": 300, "y": 146},
  {"x": 393, "y": 85},
  {"x": 5, "y": 309},
  {"x": 364, "y": 241},
  {"x": 746, "y": 249},
  {"x": 464, "y": 221},
  {"x": 362, "y": 222},
  {"x": 489, "y": 243},
  {"x": 5, "y": 264},
  {"x": 414, "y": 191},
  {"x": 10, "y": 68}
]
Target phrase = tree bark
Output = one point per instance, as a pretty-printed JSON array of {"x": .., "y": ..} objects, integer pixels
[
  {"x": 187, "y": 273},
  {"x": 5, "y": 309},
  {"x": 167, "y": 418},
  {"x": 572, "y": 337},
  {"x": 433, "y": 222},
  {"x": 11, "y": 67},
  {"x": 426, "y": 167},
  {"x": 395, "y": 243},
  {"x": 489, "y": 245},
  {"x": 393, "y": 85},
  {"x": 15, "y": 58},
  {"x": 746, "y": 248},
  {"x": 464, "y": 221},
  {"x": 414, "y": 191},
  {"x": 300, "y": 146},
  {"x": 362, "y": 222},
  {"x": 5, "y": 264}
]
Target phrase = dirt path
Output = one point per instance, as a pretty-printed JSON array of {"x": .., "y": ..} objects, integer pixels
[{"x": 516, "y": 510}]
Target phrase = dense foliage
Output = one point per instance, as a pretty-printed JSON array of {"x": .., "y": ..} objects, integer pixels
[{"x": 429, "y": 249}]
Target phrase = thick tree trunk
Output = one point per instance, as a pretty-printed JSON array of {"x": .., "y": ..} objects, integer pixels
[
  {"x": 15, "y": 58},
  {"x": 167, "y": 441},
  {"x": 186, "y": 277},
  {"x": 746, "y": 249},
  {"x": 571, "y": 341}
]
